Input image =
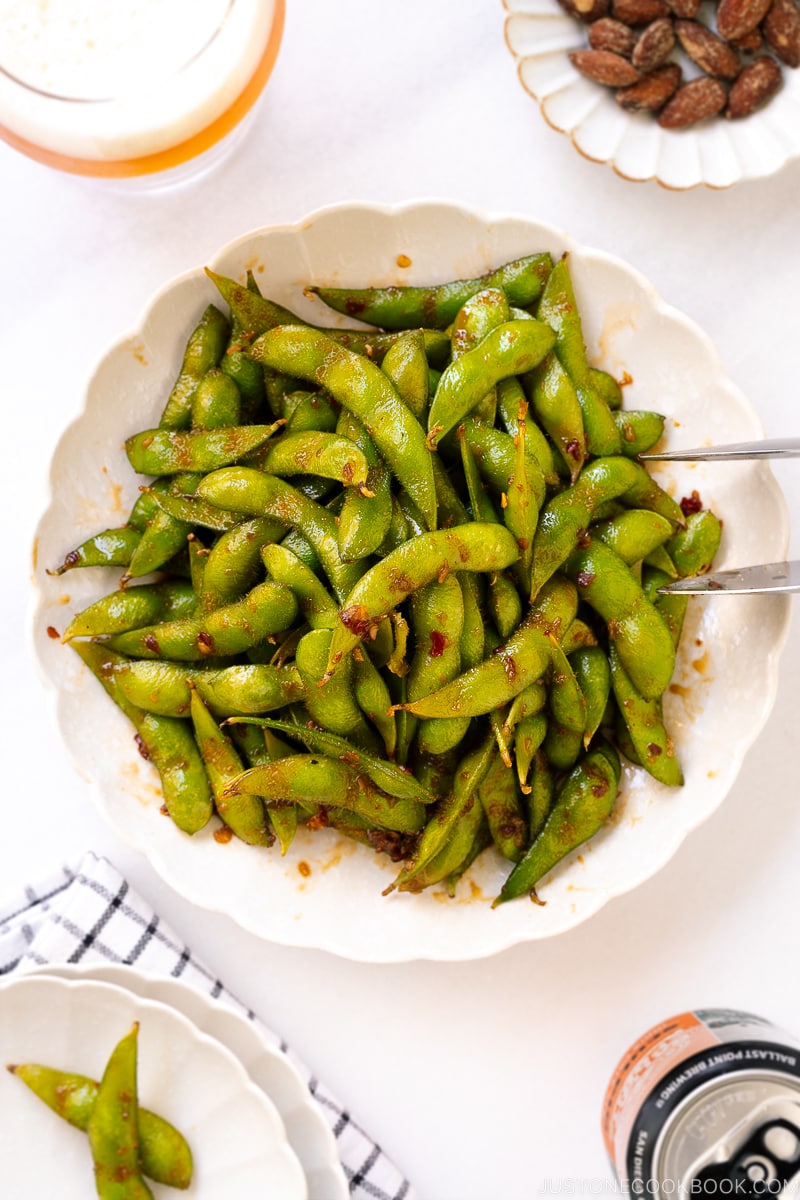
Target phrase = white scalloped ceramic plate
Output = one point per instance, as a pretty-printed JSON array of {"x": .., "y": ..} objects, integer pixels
[
  {"x": 715, "y": 153},
  {"x": 236, "y": 1136},
  {"x": 326, "y": 892},
  {"x": 309, "y": 1135}
]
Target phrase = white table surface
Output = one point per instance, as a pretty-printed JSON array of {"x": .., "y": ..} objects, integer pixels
[{"x": 482, "y": 1079}]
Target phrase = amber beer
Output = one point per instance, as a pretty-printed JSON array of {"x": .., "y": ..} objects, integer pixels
[{"x": 706, "y": 1104}]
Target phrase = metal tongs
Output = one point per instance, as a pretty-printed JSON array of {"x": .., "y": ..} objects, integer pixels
[{"x": 768, "y": 577}]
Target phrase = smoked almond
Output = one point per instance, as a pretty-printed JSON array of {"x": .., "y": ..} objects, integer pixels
[
  {"x": 686, "y": 9},
  {"x": 585, "y": 10},
  {"x": 782, "y": 31},
  {"x": 703, "y": 47},
  {"x": 608, "y": 34},
  {"x": 652, "y": 91},
  {"x": 757, "y": 83},
  {"x": 602, "y": 66},
  {"x": 695, "y": 101},
  {"x": 735, "y": 18},
  {"x": 654, "y": 46},
  {"x": 638, "y": 12}
]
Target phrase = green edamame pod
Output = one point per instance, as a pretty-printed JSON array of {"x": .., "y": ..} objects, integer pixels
[
  {"x": 268, "y": 608},
  {"x": 188, "y": 511},
  {"x": 501, "y": 804},
  {"x": 311, "y": 779},
  {"x": 390, "y": 778},
  {"x": 322, "y": 454},
  {"x": 593, "y": 674},
  {"x": 170, "y": 452},
  {"x": 510, "y": 349},
  {"x": 634, "y": 534},
  {"x": 164, "y": 688},
  {"x": 364, "y": 390},
  {"x": 204, "y": 349},
  {"x": 541, "y": 792},
  {"x": 366, "y": 516},
  {"x": 406, "y": 366},
  {"x": 521, "y": 660},
  {"x": 307, "y": 411},
  {"x": 164, "y": 536},
  {"x": 252, "y": 493},
  {"x": 217, "y": 402},
  {"x": 530, "y": 733},
  {"x": 243, "y": 813},
  {"x": 693, "y": 549},
  {"x": 234, "y": 561},
  {"x": 581, "y": 808},
  {"x": 262, "y": 746},
  {"x": 456, "y": 851},
  {"x": 555, "y": 402},
  {"x": 635, "y": 627},
  {"x": 644, "y": 720},
  {"x": 130, "y": 608},
  {"x": 437, "y": 305},
  {"x": 166, "y": 742},
  {"x": 607, "y": 387},
  {"x": 315, "y": 602},
  {"x": 567, "y": 516},
  {"x": 477, "y": 547},
  {"x": 511, "y": 401},
  {"x": 334, "y": 707},
  {"x": 504, "y": 604},
  {"x": 164, "y": 1153},
  {"x": 639, "y": 430},
  {"x": 472, "y": 632},
  {"x": 558, "y": 309},
  {"x": 111, "y": 548},
  {"x": 438, "y": 622},
  {"x": 113, "y": 1127},
  {"x": 372, "y": 696}
]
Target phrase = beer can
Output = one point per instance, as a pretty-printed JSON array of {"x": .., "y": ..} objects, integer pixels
[{"x": 707, "y": 1104}]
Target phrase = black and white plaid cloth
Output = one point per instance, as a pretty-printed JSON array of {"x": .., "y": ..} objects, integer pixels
[{"x": 90, "y": 914}]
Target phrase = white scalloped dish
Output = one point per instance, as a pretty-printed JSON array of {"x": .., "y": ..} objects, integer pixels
[
  {"x": 238, "y": 1143},
  {"x": 326, "y": 892},
  {"x": 716, "y": 153}
]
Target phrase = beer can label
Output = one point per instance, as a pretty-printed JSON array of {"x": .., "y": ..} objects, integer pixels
[{"x": 672, "y": 1059}]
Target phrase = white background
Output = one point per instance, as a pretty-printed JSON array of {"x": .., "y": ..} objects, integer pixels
[{"x": 481, "y": 1079}]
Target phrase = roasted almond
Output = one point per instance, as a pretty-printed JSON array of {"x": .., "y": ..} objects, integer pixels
[
  {"x": 652, "y": 91},
  {"x": 602, "y": 66},
  {"x": 756, "y": 84},
  {"x": 735, "y": 18},
  {"x": 750, "y": 43},
  {"x": 686, "y": 9},
  {"x": 782, "y": 31},
  {"x": 638, "y": 12},
  {"x": 585, "y": 10},
  {"x": 654, "y": 45},
  {"x": 608, "y": 34},
  {"x": 711, "y": 54},
  {"x": 695, "y": 101}
]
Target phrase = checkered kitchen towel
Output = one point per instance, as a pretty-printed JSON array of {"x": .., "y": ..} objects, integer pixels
[{"x": 91, "y": 915}]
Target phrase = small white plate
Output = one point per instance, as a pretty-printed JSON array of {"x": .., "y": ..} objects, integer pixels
[
  {"x": 716, "y": 153},
  {"x": 326, "y": 892},
  {"x": 270, "y": 1069},
  {"x": 237, "y": 1138}
]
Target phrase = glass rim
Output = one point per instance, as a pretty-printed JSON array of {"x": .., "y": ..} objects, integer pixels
[{"x": 184, "y": 66}]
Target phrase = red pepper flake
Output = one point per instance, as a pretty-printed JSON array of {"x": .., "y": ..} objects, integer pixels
[
  {"x": 140, "y": 746},
  {"x": 573, "y": 449},
  {"x": 151, "y": 642},
  {"x": 356, "y": 618},
  {"x": 585, "y": 579},
  {"x": 653, "y": 750},
  {"x": 53, "y": 633},
  {"x": 691, "y": 504},
  {"x": 304, "y": 869},
  {"x": 438, "y": 643},
  {"x": 205, "y": 642}
]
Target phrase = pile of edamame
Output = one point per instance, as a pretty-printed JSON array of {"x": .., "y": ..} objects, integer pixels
[
  {"x": 127, "y": 1142},
  {"x": 405, "y": 579}
]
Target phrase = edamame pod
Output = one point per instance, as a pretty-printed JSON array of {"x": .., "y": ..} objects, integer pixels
[{"x": 113, "y": 1127}]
